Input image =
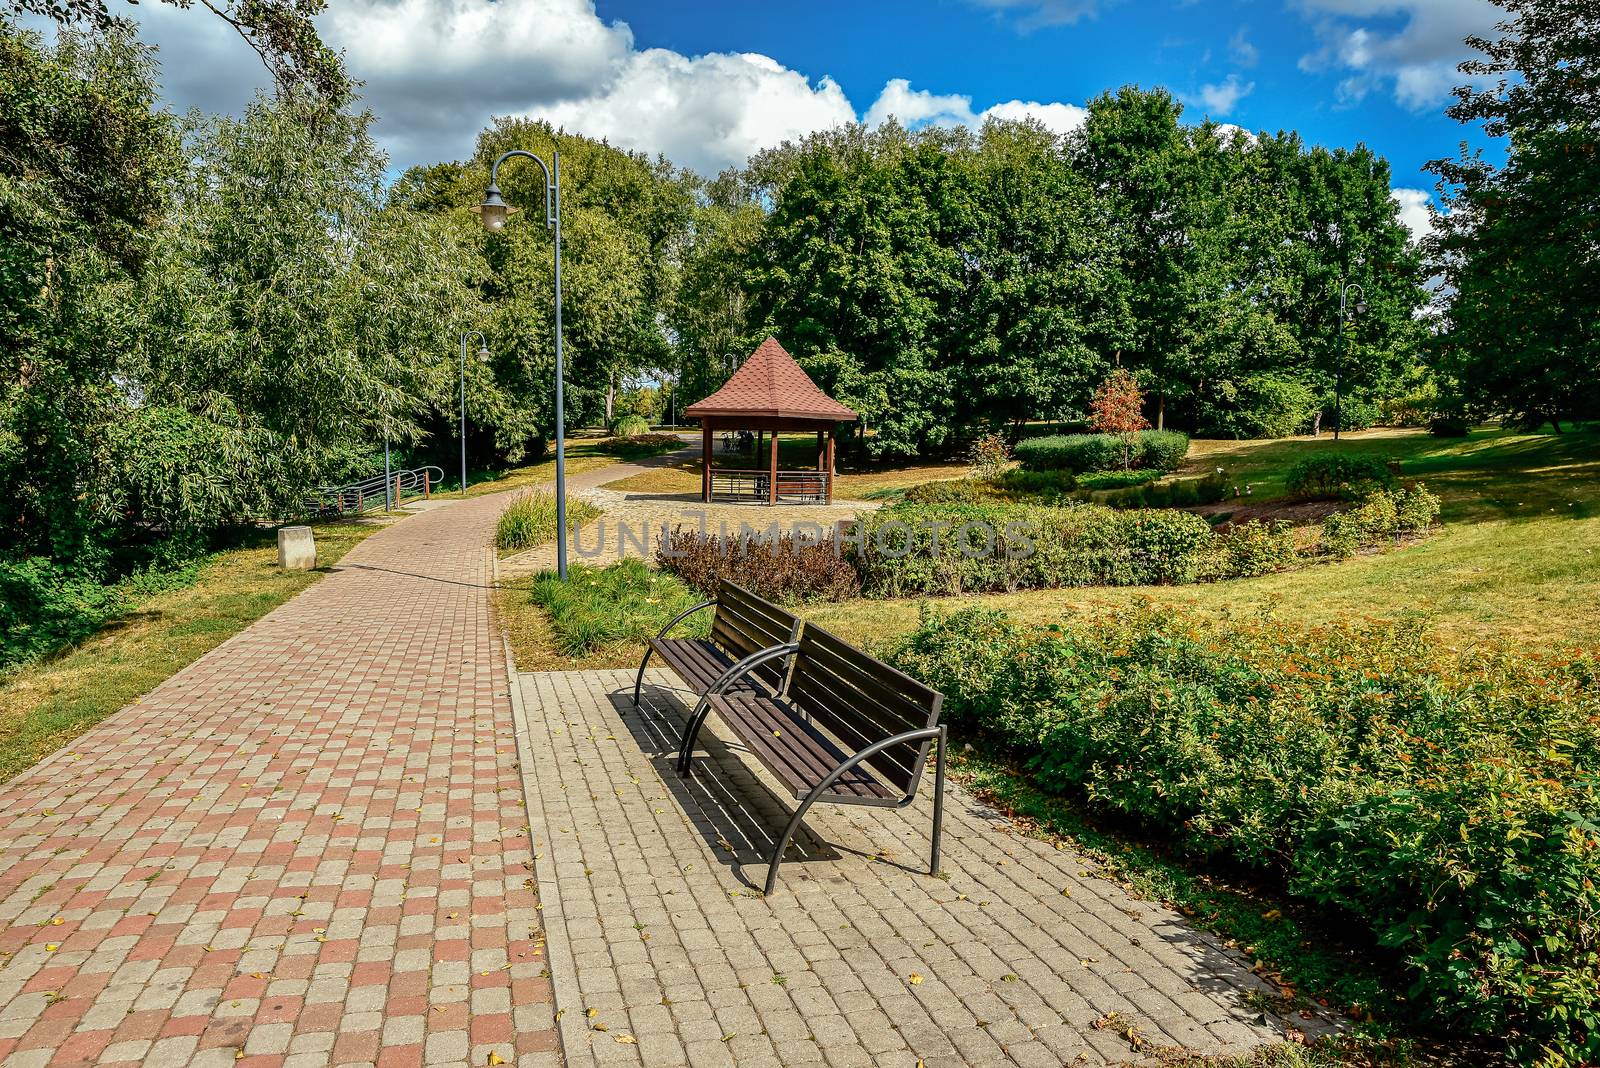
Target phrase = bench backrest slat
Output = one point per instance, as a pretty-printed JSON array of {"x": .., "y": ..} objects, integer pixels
[
  {"x": 861, "y": 700},
  {"x": 746, "y": 624}
]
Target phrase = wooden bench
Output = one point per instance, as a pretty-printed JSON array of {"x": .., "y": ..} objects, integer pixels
[
  {"x": 744, "y": 629},
  {"x": 844, "y": 729}
]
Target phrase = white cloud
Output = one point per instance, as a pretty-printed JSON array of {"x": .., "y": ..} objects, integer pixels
[
  {"x": 1415, "y": 60},
  {"x": 1220, "y": 98},
  {"x": 436, "y": 71},
  {"x": 1241, "y": 51},
  {"x": 919, "y": 107},
  {"x": 1414, "y": 210},
  {"x": 1035, "y": 14},
  {"x": 706, "y": 112}
]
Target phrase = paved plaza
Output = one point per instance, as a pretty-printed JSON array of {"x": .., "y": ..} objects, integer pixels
[
  {"x": 347, "y": 836},
  {"x": 306, "y": 848},
  {"x": 665, "y": 954}
]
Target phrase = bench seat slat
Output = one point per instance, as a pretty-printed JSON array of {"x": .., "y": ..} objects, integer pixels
[
  {"x": 798, "y": 754},
  {"x": 697, "y": 661}
]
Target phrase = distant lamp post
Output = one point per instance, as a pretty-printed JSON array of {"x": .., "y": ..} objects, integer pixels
[
  {"x": 1347, "y": 316},
  {"x": 483, "y": 357},
  {"x": 494, "y": 211}
]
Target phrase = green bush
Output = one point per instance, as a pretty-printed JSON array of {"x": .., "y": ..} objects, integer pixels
[
  {"x": 1255, "y": 548},
  {"x": 1337, "y": 475},
  {"x": 1262, "y": 406},
  {"x": 1160, "y": 450},
  {"x": 1355, "y": 413},
  {"x": 1450, "y": 425},
  {"x": 1111, "y": 480},
  {"x": 624, "y": 604},
  {"x": 629, "y": 448},
  {"x": 530, "y": 519},
  {"x": 1381, "y": 519},
  {"x": 43, "y": 607},
  {"x": 1179, "y": 493},
  {"x": 784, "y": 568},
  {"x": 909, "y": 549},
  {"x": 627, "y": 426},
  {"x": 1446, "y": 800},
  {"x": 952, "y": 490},
  {"x": 1047, "y": 487}
]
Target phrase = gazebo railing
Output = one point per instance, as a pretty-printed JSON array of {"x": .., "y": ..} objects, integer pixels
[{"x": 749, "y": 484}]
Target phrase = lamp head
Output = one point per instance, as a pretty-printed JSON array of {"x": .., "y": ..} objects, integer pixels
[
  {"x": 483, "y": 353},
  {"x": 494, "y": 210},
  {"x": 1361, "y": 307}
]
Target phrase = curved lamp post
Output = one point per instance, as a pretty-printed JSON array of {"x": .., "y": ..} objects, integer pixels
[
  {"x": 1347, "y": 315},
  {"x": 494, "y": 212},
  {"x": 483, "y": 357}
]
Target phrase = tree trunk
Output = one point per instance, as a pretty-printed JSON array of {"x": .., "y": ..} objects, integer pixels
[
  {"x": 1161, "y": 411},
  {"x": 1316, "y": 425},
  {"x": 1556, "y": 422}
]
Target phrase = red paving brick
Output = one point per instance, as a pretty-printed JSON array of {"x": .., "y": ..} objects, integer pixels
[{"x": 296, "y": 846}]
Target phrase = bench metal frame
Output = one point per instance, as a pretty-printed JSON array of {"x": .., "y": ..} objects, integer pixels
[{"x": 937, "y": 735}]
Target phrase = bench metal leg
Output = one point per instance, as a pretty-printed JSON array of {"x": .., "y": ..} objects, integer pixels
[
  {"x": 938, "y": 799},
  {"x": 783, "y": 842},
  {"x": 639, "y": 681},
  {"x": 691, "y": 731}
]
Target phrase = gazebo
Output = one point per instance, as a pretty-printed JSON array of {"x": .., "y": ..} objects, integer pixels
[{"x": 768, "y": 394}]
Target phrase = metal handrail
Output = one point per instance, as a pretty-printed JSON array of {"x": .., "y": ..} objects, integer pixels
[{"x": 373, "y": 492}]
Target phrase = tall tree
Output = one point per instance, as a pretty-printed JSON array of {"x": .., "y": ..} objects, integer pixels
[{"x": 1520, "y": 243}]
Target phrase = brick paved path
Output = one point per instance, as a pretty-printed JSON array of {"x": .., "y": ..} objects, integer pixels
[
  {"x": 657, "y": 937},
  {"x": 306, "y": 848}
]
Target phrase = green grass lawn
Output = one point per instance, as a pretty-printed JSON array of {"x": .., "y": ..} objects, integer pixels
[
  {"x": 43, "y": 706},
  {"x": 1518, "y": 557}
]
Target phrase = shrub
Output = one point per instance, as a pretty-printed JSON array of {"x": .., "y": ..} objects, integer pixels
[
  {"x": 530, "y": 519},
  {"x": 1338, "y": 475},
  {"x": 989, "y": 457},
  {"x": 1110, "y": 480},
  {"x": 784, "y": 568},
  {"x": 1382, "y": 518},
  {"x": 1161, "y": 450},
  {"x": 1450, "y": 425},
  {"x": 1355, "y": 413},
  {"x": 1049, "y": 486},
  {"x": 641, "y": 445},
  {"x": 1445, "y": 800},
  {"x": 909, "y": 549},
  {"x": 627, "y": 426},
  {"x": 44, "y": 607},
  {"x": 1179, "y": 493},
  {"x": 957, "y": 490},
  {"x": 1255, "y": 548},
  {"x": 624, "y": 604}
]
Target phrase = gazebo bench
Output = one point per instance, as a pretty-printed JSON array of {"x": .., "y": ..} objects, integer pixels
[
  {"x": 845, "y": 729},
  {"x": 743, "y": 628}
]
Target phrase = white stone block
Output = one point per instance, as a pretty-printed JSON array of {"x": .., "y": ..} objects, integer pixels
[{"x": 297, "y": 548}]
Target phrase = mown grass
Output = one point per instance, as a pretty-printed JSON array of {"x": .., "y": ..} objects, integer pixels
[
  {"x": 583, "y": 454},
  {"x": 44, "y": 705},
  {"x": 1518, "y": 558}
]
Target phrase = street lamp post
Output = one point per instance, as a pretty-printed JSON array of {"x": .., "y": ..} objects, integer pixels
[
  {"x": 483, "y": 357},
  {"x": 1347, "y": 315},
  {"x": 494, "y": 211}
]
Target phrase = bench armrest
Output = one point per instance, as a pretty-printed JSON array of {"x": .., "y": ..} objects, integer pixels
[
  {"x": 749, "y": 664},
  {"x": 681, "y": 616}
]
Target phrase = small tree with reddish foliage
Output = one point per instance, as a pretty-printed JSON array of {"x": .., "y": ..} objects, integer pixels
[{"x": 1118, "y": 408}]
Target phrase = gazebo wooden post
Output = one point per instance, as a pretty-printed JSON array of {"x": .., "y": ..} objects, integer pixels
[
  {"x": 772, "y": 469},
  {"x": 705, "y": 460},
  {"x": 828, "y": 481}
]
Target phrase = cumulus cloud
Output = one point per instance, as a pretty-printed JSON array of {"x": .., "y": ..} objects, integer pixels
[
  {"x": 1408, "y": 47},
  {"x": 919, "y": 107},
  {"x": 1414, "y": 210},
  {"x": 1220, "y": 98}
]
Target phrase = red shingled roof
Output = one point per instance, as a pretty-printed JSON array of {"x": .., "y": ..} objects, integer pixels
[{"x": 771, "y": 385}]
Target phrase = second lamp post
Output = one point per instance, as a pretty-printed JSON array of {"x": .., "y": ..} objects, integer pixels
[
  {"x": 494, "y": 211},
  {"x": 1347, "y": 315}
]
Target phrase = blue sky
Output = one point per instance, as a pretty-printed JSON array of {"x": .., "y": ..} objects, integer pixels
[
  {"x": 709, "y": 82},
  {"x": 997, "y": 52}
]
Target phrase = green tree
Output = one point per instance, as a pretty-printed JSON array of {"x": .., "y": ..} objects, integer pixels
[
  {"x": 86, "y": 161},
  {"x": 1518, "y": 243}
]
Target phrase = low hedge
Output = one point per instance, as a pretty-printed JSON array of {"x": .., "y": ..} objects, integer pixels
[
  {"x": 912, "y": 549},
  {"x": 1382, "y": 519},
  {"x": 1336, "y": 476},
  {"x": 1449, "y": 801},
  {"x": 1161, "y": 450},
  {"x": 1178, "y": 493},
  {"x": 44, "y": 607}
]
